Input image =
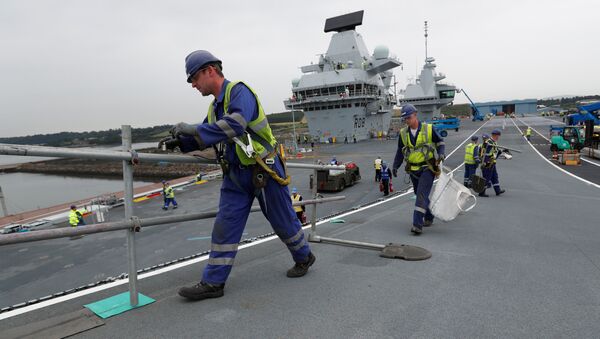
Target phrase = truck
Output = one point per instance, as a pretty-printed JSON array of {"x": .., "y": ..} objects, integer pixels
[
  {"x": 442, "y": 125},
  {"x": 334, "y": 180}
]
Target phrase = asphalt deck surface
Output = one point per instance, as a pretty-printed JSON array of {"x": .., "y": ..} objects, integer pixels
[{"x": 524, "y": 264}]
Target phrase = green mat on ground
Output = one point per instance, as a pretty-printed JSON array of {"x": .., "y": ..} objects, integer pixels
[
  {"x": 337, "y": 221},
  {"x": 117, "y": 304}
]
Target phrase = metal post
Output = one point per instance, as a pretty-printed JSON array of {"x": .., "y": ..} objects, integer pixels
[
  {"x": 128, "y": 199},
  {"x": 3, "y": 203},
  {"x": 294, "y": 129},
  {"x": 313, "y": 220}
]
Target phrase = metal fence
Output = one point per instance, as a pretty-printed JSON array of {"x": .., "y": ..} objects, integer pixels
[{"x": 132, "y": 223}]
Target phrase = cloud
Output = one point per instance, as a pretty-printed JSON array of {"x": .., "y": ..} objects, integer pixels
[{"x": 73, "y": 65}]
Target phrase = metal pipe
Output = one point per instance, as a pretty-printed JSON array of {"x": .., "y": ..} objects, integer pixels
[
  {"x": 80, "y": 153},
  {"x": 3, "y": 204},
  {"x": 314, "y": 166},
  {"x": 351, "y": 243},
  {"x": 128, "y": 200},
  {"x": 64, "y": 232},
  {"x": 315, "y": 183}
]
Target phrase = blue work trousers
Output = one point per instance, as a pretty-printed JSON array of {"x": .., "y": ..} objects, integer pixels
[
  {"x": 169, "y": 201},
  {"x": 491, "y": 178},
  {"x": 470, "y": 169},
  {"x": 422, "y": 181},
  {"x": 237, "y": 196}
]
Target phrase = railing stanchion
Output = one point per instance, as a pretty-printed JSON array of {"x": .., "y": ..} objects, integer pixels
[
  {"x": 128, "y": 199},
  {"x": 313, "y": 220}
]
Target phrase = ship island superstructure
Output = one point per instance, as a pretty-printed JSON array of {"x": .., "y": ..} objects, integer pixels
[
  {"x": 346, "y": 95},
  {"x": 427, "y": 93}
]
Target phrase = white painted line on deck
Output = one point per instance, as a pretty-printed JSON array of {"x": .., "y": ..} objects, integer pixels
[
  {"x": 169, "y": 268},
  {"x": 551, "y": 163}
]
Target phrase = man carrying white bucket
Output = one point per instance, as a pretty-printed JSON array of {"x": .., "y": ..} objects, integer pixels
[{"x": 419, "y": 143}]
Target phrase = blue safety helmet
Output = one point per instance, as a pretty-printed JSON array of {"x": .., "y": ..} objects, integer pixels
[
  {"x": 474, "y": 138},
  {"x": 485, "y": 136},
  {"x": 196, "y": 60},
  {"x": 294, "y": 190},
  {"x": 407, "y": 110},
  {"x": 496, "y": 132}
]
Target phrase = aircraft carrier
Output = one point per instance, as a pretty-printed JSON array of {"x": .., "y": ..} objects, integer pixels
[
  {"x": 347, "y": 94},
  {"x": 524, "y": 264}
]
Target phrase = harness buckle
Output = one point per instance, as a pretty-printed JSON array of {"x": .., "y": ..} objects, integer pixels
[{"x": 270, "y": 161}]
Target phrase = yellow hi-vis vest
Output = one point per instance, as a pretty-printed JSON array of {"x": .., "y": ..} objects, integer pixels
[
  {"x": 74, "y": 218},
  {"x": 528, "y": 132},
  {"x": 377, "y": 164},
  {"x": 260, "y": 126},
  {"x": 493, "y": 150},
  {"x": 169, "y": 193},
  {"x": 294, "y": 199},
  {"x": 469, "y": 158},
  {"x": 417, "y": 155}
]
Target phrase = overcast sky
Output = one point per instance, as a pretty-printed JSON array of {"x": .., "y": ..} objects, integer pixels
[{"x": 91, "y": 65}]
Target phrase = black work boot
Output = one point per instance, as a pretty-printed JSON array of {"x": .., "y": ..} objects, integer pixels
[
  {"x": 301, "y": 269},
  {"x": 500, "y": 192},
  {"x": 416, "y": 230},
  {"x": 483, "y": 194},
  {"x": 202, "y": 291},
  {"x": 427, "y": 223}
]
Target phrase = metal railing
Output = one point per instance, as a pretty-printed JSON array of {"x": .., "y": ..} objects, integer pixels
[{"x": 131, "y": 223}]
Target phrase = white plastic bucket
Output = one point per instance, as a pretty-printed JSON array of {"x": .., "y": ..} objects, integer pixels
[{"x": 450, "y": 197}]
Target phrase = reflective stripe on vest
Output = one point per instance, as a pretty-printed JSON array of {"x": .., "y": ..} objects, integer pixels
[
  {"x": 260, "y": 126},
  {"x": 294, "y": 199},
  {"x": 469, "y": 158},
  {"x": 423, "y": 148}
]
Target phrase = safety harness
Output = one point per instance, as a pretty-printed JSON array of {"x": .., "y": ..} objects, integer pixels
[{"x": 425, "y": 148}]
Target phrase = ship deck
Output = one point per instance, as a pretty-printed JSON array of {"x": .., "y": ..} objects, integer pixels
[{"x": 524, "y": 264}]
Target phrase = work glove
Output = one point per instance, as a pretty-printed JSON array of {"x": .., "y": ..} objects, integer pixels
[
  {"x": 395, "y": 172},
  {"x": 185, "y": 129}
]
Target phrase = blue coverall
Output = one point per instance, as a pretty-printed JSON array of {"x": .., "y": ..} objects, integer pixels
[
  {"x": 422, "y": 179},
  {"x": 235, "y": 201},
  {"x": 471, "y": 169},
  {"x": 489, "y": 172}
]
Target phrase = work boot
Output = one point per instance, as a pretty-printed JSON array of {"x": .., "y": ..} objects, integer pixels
[
  {"x": 482, "y": 194},
  {"x": 202, "y": 291},
  {"x": 165, "y": 208},
  {"x": 174, "y": 207},
  {"x": 301, "y": 269},
  {"x": 427, "y": 223},
  {"x": 467, "y": 185},
  {"x": 416, "y": 230},
  {"x": 500, "y": 192}
]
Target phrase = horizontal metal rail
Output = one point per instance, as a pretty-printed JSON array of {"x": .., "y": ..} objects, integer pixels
[
  {"x": 131, "y": 223},
  {"x": 84, "y": 153},
  {"x": 65, "y": 232}
]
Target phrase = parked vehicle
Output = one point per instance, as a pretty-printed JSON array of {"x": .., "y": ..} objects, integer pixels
[{"x": 336, "y": 180}]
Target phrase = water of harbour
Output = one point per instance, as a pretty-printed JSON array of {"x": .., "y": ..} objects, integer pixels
[{"x": 29, "y": 191}]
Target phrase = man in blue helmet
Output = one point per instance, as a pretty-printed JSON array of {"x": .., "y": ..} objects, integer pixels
[
  {"x": 237, "y": 128},
  {"x": 489, "y": 153},
  {"x": 471, "y": 159},
  {"x": 423, "y": 149}
]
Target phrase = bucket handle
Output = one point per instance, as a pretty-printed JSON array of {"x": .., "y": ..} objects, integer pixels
[{"x": 458, "y": 198}]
